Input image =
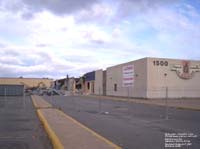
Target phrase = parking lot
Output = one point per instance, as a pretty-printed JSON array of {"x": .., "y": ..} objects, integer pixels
[
  {"x": 20, "y": 127},
  {"x": 130, "y": 125}
]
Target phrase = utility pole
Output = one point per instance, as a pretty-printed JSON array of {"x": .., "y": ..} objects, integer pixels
[
  {"x": 166, "y": 99},
  {"x": 24, "y": 103},
  {"x": 5, "y": 94},
  {"x": 100, "y": 101}
]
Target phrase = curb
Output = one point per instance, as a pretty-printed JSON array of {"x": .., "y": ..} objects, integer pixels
[
  {"x": 156, "y": 104},
  {"x": 187, "y": 108},
  {"x": 90, "y": 130},
  {"x": 39, "y": 107},
  {"x": 51, "y": 134},
  {"x": 33, "y": 101},
  {"x": 53, "y": 137}
]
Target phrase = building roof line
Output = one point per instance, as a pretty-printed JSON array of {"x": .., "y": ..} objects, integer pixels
[{"x": 25, "y": 78}]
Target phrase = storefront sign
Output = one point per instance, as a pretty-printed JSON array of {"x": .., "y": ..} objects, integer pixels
[{"x": 128, "y": 75}]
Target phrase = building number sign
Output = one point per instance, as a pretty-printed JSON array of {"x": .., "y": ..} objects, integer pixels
[{"x": 160, "y": 63}]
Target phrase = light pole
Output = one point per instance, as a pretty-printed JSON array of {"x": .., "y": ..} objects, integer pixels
[
  {"x": 166, "y": 98},
  {"x": 5, "y": 94},
  {"x": 129, "y": 96},
  {"x": 24, "y": 104},
  {"x": 99, "y": 100}
]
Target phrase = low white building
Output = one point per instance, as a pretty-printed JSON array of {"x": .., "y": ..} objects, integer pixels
[{"x": 151, "y": 78}]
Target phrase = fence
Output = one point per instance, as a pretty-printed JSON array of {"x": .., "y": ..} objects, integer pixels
[
  {"x": 128, "y": 110},
  {"x": 10, "y": 95},
  {"x": 11, "y": 90},
  {"x": 152, "y": 92}
]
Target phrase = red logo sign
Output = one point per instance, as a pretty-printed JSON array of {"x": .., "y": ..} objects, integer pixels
[
  {"x": 185, "y": 70},
  {"x": 185, "y": 73}
]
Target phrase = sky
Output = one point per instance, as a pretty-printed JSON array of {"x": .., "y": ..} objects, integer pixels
[{"x": 53, "y": 38}]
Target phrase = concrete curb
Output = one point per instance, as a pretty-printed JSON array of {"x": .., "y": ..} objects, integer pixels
[
  {"x": 33, "y": 101},
  {"x": 90, "y": 130},
  {"x": 53, "y": 137},
  {"x": 37, "y": 106},
  {"x": 51, "y": 134},
  {"x": 187, "y": 108}
]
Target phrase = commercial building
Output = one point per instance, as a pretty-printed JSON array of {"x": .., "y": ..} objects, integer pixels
[
  {"x": 67, "y": 85},
  {"x": 100, "y": 82},
  {"x": 154, "y": 78},
  {"x": 88, "y": 83},
  {"x": 83, "y": 85},
  {"x": 16, "y": 86},
  {"x": 27, "y": 82}
]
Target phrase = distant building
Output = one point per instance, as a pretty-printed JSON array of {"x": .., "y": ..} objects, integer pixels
[
  {"x": 67, "y": 84},
  {"x": 16, "y": 86},
  {"x": 88, "y": 83},
  {"x": 79, "y": 87},
  {"x": 27, "y": 82}
]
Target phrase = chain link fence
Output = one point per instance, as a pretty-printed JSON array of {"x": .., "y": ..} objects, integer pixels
[{"x": 119, "y": 102}]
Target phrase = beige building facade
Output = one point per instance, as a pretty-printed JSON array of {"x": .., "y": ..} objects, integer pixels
[
  {"x": 154, "y": 78},
  {"x": 98, "y": 84},
  {"x": 27, "y": 82},
  {"x": 174, "y": 78},
  {"x": 88, "y": 87}
]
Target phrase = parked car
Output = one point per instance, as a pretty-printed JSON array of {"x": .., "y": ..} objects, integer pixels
[{"x": 52, "y": 92}]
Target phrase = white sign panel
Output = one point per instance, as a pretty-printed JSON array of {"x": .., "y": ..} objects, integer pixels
[{"x": 128, "y": 75}]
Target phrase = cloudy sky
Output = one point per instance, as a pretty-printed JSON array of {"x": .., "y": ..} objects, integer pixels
[{"x": 52, "y": 38}]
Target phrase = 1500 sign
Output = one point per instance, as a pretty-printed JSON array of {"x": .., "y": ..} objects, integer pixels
[{"x": 160, "y": 63}]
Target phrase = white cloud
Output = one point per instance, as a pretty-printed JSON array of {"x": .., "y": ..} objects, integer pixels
[
  {"x": 10, "y": 60},
  {"x": 116, "y": 32},
  {"x": 46, "y": 42},
  {"x": 100, "y": 13}
]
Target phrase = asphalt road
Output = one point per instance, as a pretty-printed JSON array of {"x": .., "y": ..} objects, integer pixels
[
  {"x": 131, "y": 125},
  {"x": 19, "y": 126}
]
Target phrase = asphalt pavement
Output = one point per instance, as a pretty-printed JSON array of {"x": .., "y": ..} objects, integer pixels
[
  {"x": 131, "y": 125},
  {"x": 20, "y": 127}
]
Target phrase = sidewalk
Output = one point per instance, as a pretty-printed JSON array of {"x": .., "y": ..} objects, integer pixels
[
  {"x": 66, "y": 132},
  {"x": 189, "y": 104},
  {"x": 38, "y": 102}
]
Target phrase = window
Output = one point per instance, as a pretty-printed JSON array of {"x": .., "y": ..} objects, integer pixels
[
  {"x": 115, "y": 87},
  {"x": 88, "y": 85}
]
